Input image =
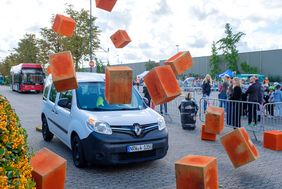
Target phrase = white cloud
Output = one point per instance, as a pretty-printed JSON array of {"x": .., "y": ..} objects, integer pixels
[{"x": 155, "y": 26}]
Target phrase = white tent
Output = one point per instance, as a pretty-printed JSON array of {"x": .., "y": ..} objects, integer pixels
[{"x": 142, "y": 74}]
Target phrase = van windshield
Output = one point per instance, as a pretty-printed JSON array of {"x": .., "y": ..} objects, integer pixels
[{"x": 91, "y": 97}]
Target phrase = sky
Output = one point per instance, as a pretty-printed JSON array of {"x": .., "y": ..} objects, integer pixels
[{"x": 157, "y": 28}]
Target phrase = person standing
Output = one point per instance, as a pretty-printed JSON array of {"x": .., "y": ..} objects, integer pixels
[
  {"x": 138, "y": 83},
  {"x": 147, "y": 95},
  {"x": 222, "y": 96},
  {"x": 235, "y": 105},
  {"x": 206, "y": 89},
  {"x": 277, "y": 99},
  {"x": 165, "y": 108},
  {"x": 253, "y": 96}
]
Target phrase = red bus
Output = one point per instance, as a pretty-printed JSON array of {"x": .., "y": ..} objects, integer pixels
[{"x": 27, "y": 77}]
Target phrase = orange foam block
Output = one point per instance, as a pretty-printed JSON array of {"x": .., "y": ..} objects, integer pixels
[
  {"x": 64, "y": 25},
  {"x": 107, "y": 5},
  {"x": 49, "y": 170},
  {"x": 214, "y": 120},
  {"x": 239, "y": 147},
  {"x": 162, "y": 84},
  {"x": 272, "y": 140},
  {"x": 180, "y": 62},
  {"x": 63, "y": 71},
  {"x": 120, "y": 38},
  {"x": 207, "y": 136},
  {"x": 118, "y": 87},
  {"x": 196, "y": 172}
]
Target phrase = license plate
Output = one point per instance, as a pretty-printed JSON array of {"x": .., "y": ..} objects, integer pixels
[{"x": 138, "y": 148}]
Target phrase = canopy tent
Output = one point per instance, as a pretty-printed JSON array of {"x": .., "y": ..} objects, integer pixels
[
  {"x": 227, "y": 72},
  {"x": 189, "y": 79},
  {"x": 142, "y": 74}
]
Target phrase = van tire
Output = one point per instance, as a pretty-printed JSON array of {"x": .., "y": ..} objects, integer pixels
[
  {"x": 47, "y": 135},
  {"x": 77, "y": 152}
]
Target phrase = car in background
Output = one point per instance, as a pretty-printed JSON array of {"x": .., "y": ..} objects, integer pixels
[{"x": 98, "y": 132}]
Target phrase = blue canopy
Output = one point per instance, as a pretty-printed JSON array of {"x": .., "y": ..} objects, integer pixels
[{"x": 227, "y": 72}]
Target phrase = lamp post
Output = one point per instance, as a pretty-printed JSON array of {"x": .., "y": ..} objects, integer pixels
[
  {"x": 90, "y": 31},
  {"x": 177, "y": 48}
]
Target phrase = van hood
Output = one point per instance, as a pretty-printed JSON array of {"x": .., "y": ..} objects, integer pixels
[{"x": 128, "y": 117}]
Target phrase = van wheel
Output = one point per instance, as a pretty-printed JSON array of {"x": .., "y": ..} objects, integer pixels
[
  {"x": 77, "y": 152},
  {"x": 47, "y": 135}
]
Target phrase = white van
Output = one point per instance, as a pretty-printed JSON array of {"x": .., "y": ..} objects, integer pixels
[{"x": 98, "y": 132}]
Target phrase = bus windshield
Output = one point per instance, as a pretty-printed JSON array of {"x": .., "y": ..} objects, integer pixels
[{"x": 32, "y": 76}]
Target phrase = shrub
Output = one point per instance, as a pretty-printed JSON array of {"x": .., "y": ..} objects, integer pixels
[{"x": 15, "y": 168}]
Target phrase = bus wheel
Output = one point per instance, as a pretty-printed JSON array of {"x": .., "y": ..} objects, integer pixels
[{"x": 47, "y": 135}]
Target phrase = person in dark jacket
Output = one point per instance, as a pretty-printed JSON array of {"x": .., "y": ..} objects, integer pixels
[
  {"x": 253, "y": 96},
  {"x": 234, "y": 113},
  {"x": 147, "y": 95},
  {"x": 206, "y": 89}
]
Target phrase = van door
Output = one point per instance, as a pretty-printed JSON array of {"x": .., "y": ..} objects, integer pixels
[{"x": 63, "y": 117}]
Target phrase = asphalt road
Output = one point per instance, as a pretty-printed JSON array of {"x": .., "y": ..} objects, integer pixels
[{"x": 263, "y": 173}]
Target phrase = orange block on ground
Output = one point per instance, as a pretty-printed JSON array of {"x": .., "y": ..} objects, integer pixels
[
  {"x": 107, "y": 5},
  {"x": 162, "y": 84},
  {"x": 180, "y": 62},
  {"x": 118, "y": 87},
  {"x": 272, "y": 140},
  {"x": 63, "y": 71},
  {"x": 239, "y": 147},
  {"x": 64, "y": 25},
  {"x": 120, "y": 38},
  {"x": 196, "y": 172},
  {"x": 207, "y": 136},
  {"x": 214, "y": 120},
  {"x": 49, "y": 170}
]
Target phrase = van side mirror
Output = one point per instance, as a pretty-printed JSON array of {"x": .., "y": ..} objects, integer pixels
[{"x": 64, "y": 103}]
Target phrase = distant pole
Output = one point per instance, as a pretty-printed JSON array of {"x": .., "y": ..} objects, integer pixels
[
  {"x": 90, "y": 30},
  {"x": 177, "y": 48}
]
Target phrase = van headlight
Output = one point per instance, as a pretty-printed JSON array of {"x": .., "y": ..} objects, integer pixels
[
  {"x": 99, "y": 127},
  {"x": 161, "y": 123}
]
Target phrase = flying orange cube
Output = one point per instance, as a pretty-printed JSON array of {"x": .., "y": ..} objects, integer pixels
[
  {"x": 196, "y": 172},
  {"x": 63, "y": 71},
  {"x": 239, "y": 147},
  {"x": 272, "y": 140},
  {"x": 120, "y": 38},
  {"x": 64, "y": 25},
  {"x": 214, "y": 120},
  {"x": 107, "y": 5},
  {"x": 118, "y": 87},
  {"x": 49, "y": 170},
  {"x": 207, "y": 136},
  {"x": 180, "y": 62},
  {"x": 162, "y": 84}
]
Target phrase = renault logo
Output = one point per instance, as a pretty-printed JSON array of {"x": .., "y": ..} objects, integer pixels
[{"x": 137, "y": 129}]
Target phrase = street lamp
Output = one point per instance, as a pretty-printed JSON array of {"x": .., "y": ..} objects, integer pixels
[
  {"x": 177, "y": 48},
  {"x": 90, "y": 30}
]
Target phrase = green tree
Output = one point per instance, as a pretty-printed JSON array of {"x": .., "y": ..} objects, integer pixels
[
  {"x": 8, "y": 62},
  {"x": 229, "y": 48},
  {"x": 78, "y": 44},
  {"x": 100, "y": 68},
  {"x": 150, "y": 65},
  {"x": 27, "y": 50},
  {"x": 214, "y": 61},
  {"x": 246, "y": 68}
]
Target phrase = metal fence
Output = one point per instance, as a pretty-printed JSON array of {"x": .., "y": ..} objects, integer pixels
[{"x": 250, "y": 115}]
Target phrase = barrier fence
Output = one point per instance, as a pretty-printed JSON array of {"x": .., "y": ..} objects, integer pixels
[{"x": 251, "y": 115}]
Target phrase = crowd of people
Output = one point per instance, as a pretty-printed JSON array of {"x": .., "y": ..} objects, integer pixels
[{"x": 233, "y": 92}]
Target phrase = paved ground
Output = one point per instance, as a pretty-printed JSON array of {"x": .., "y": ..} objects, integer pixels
[{"x": 263, "y": 173}]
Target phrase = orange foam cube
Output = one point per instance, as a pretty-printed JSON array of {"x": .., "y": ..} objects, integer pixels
[
  {"x": 118, "y": 87},
  {"x": 239, "y": 147},
  {"x": 64, "y": 25},
  {"x": 63, "y": 71},
  {"x": 272, "y": 140},
  {"x": 180, "y": 62},
  {"x": 196, "y": 172},
  {"x": 107, "y": 5},
  {"x": 207, "y": 136},
  {"x": 162, "y": 84},
  {"x": 49, "y": 170},
  {"x": 120, "y": 38},
  {"x": 214, "y": 120}
]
